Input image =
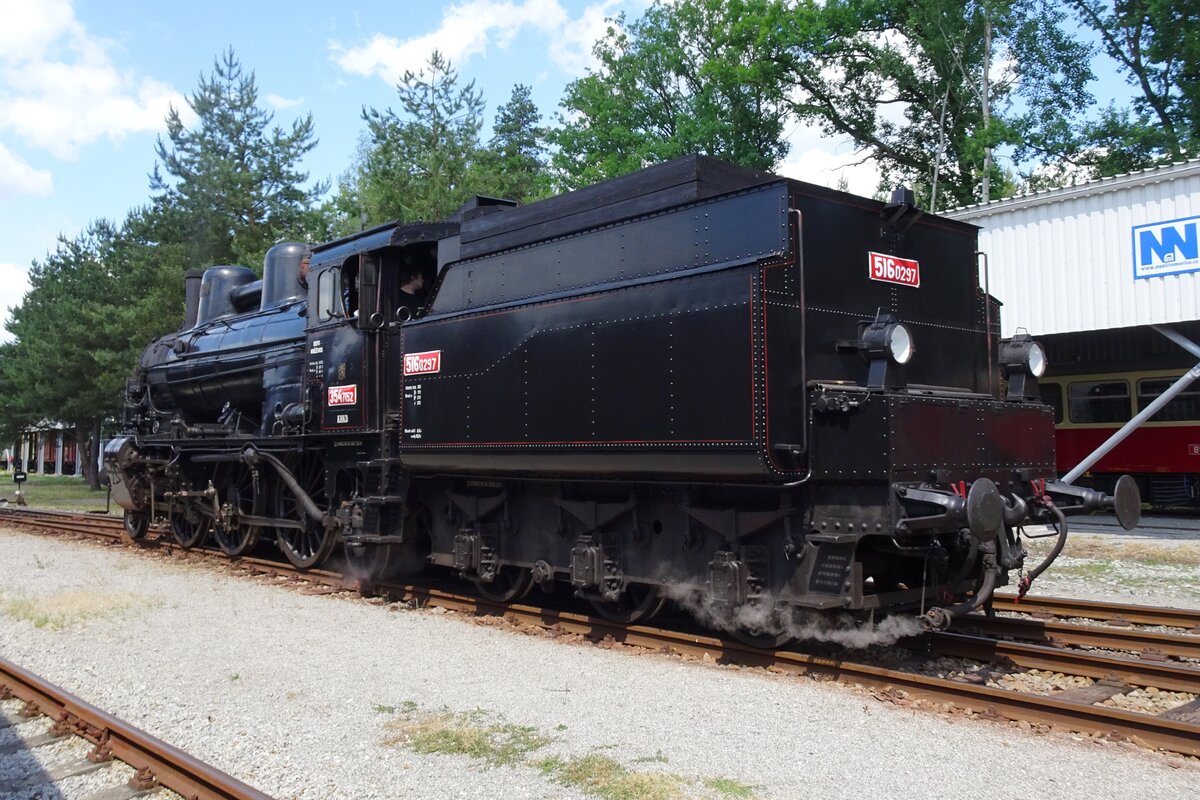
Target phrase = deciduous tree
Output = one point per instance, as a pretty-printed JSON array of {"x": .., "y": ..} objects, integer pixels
[
  {"x": 1156, "y": 44},
  {"x": 691, "y": 76}
]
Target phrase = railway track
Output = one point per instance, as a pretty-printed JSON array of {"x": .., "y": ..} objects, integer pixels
[
  {"x": 998, "y": 643},
  {"x": 156, "y": 762},
  {"x": 1112, "y": 613}
]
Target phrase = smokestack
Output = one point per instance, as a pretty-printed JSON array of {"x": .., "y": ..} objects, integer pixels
[{"x": 191, "y": 302}]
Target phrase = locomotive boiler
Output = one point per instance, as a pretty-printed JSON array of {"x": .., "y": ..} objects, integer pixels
[{"x": 694, "y": 381}]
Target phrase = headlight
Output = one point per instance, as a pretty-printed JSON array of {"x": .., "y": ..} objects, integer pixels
[
  {"x": 899, "y": 343},
  {"x": 1023, "y": 361},
  {"x": 1036, "y": 360},
  {"x": 1022, "y": 353}
]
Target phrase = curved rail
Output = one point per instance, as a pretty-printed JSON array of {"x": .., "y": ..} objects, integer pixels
[
  {"x": 154, "y": 759},
  {"x": 1135, "y": 640},
  {"x": 1094, "y": 609}
]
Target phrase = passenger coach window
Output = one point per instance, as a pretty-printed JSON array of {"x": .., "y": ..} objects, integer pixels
[
  {"x": 1052, "y": 396},
  {"x": 329, "y": 301},
  {"x": 1184, "y": 407},
  {"x": 1099, "y": 401}
]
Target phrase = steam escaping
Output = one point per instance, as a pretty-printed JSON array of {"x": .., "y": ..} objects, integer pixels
[{"x": 813, "y": 626}]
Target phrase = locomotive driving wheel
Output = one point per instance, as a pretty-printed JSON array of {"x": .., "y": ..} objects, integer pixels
[
  {"x": 308, "y": 546},
  {"x": 510, "y": 585},
  {"x": 639, "y": 602},
  {"x": 189, "y": 526},
  {"x": 239, "y": 492}
]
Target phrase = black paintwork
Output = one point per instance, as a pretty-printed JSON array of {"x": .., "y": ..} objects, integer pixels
[{"x": 653, "y": 379}]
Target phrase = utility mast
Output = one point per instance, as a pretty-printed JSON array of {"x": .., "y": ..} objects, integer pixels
[{"x": 987, "y": 112}]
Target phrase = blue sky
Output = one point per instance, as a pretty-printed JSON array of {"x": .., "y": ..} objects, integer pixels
[{"x": 85, "y": 85}]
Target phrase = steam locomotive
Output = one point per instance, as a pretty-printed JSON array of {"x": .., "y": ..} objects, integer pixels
[{"x": 694, "y": 380}]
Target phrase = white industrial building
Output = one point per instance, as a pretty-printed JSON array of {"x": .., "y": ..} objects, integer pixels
[
  {"x": 1102, "y": 274},
  {"x": 1114, "y": 253}
]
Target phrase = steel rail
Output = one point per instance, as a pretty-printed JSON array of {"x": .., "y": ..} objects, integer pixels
[
  {"x": 1153, "y": 731},
  {"x": 1065, "y": 633},
  {"x": 1167, "y": 676},
  {"x": 1094, "y": 609},
  {"x": 168, "y": 765}
]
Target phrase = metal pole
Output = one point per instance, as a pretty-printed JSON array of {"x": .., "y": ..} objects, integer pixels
[
  {"x": 1179, "y": 339},
  {"x": 1128, "y": 428}
]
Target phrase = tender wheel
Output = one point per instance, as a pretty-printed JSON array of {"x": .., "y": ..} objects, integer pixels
[
  {"x": 370, "y": 562},
  {"x": 640, "y": 602},
  {"x": 136, "y": 524},
  {"x": 236, "y": 490},
  {"x": 763, "y": 640},
  {"x": 308, "y": 546},
  {"x": 190, "y": 527},
  {"x": 764, "y": 636},
  {"x": 509, "y": 585},
  {"x": 384, "y": 562}
]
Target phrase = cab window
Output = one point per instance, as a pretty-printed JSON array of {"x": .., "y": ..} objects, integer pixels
[
  {"x": 1184, "y": 407},
  {"x": 1099, "y": 401},
  {"x": 329, "y": 301}
]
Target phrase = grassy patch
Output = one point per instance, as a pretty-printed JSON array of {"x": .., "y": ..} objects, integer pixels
[
  {"x": 472, "y": 734},
  {"x": 610, "y": 779},
  {"x": 53, "y": 491},
  {"x": 62, "y": 609},
  {"x": 657, "y": 758},
  {"x": 730, "y": 788},
  {"x": 1086, "y": 569},
  {"x": 1097, "y": 549},
  {"x": 480, "y": 735}
]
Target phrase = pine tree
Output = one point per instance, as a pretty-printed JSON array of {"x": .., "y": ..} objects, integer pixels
[
  {"x": 233, "y": 184},
  {"x": 416, "y": 164}
]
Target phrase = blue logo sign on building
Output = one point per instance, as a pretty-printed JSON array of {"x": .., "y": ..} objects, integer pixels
[{"x": 1166, "y": 248}]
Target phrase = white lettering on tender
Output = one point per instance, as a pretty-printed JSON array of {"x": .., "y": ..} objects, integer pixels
[
  {"x": 891, "y": 269},
  {"x": 423, "y": 363}
]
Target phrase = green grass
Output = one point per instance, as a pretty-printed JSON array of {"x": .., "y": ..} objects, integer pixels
[
  {"x": 657, "y": 758},
  {"x": 611, "y": 780},
  {"x": 472, "y": 734},
  {"x": 481, "y": 735},
  {"x": 64, "y": 609},
  {"x": 63, "y": 492},
  {"x": 730, "y": 788},
  {"x": 1086, "y": 569}
]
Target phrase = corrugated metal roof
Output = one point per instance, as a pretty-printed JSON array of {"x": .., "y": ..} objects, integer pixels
[
  {"x": 1112, "y": 253},
  {"x": 1181, "y": 169}
]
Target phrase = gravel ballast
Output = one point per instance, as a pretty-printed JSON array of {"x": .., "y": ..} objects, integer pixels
[{"x": 314, "y": 697}]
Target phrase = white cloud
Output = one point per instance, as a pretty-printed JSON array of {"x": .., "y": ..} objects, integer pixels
[
  {"x": 17, "y": 177},
  {"x": 59, "y": 88},
  {"x": 14, "y": 283},
  {"x": 571, "y": 47},
  {"x": 824, "y": 160},
  {"x": 280, "y": 102},
  {"x": 470, "y": 28}
]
